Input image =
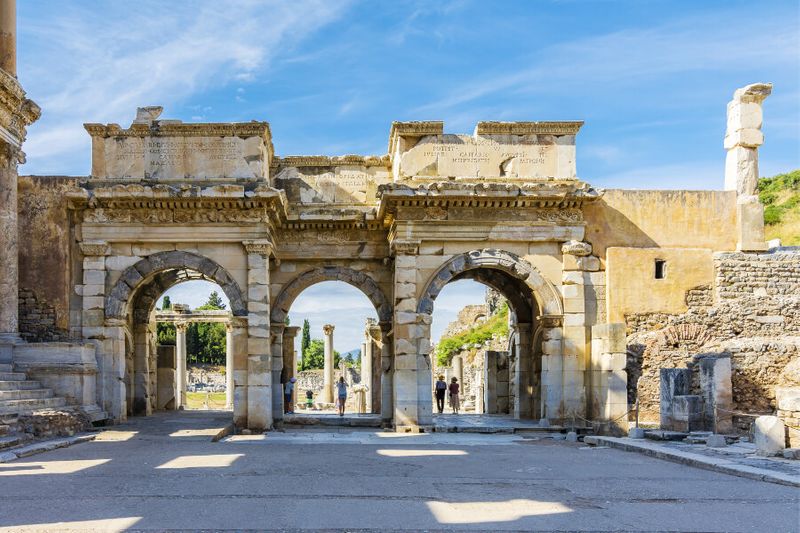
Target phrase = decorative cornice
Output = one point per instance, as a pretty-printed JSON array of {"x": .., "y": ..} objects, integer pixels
[
  {"x": 550, "y": 195},
  {"x": 94, "y": 248},
  {"x": 578, "y": 248},
  {"x": 16, "y": 111},
  {"x": 528, "y": 128},
  {"x": 331, "y": 161},
  {"x": 259, "y": 246},
  {"x": 174, "y": 128}
]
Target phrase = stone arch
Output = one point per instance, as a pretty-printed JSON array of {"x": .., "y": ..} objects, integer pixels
[
  {"x": 150, "y": 276},
  {"x": 474, "y": 264},
  {"x": 359, "y": 280}
]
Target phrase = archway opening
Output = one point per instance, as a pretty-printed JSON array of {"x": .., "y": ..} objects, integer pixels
[
  {"x": 499, "y": 341},
  {"x": 154, "y": 379},
  {"x": 334, "y": 335},
  {"x": 193, "y": 330}
]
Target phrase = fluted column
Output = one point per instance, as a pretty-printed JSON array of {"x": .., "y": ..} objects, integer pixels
[
  {"x": 327, "y": 389},
  {"x": 180, "y": 373},
  {"x": 229, "y": 366}
]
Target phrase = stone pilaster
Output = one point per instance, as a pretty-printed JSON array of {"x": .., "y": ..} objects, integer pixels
[
  {"x": 276, "y": 343},
  {"x": 229, "y": 386},
  {"x": 742, "y": 138},
  {"x": 180, "y": 364},
  {"x": 412, "y": 365},
  {"x": 387, "y": 374},
  {"x": 522, "y": 385},
  {"x": 259, "y": 350},
  {"x": 240, "y": 343},
  {"x": 327, "y": 374},
  {"x": 552, "y": 367}
]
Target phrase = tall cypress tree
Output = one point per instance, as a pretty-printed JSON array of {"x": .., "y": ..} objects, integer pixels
[{"x": 305, "y": 342}]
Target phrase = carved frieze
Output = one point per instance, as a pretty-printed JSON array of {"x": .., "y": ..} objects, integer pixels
[
  {"x": 578, "y": 248},
  {"x": 94, "y": 248},
  {"x": 259, "y": 246},
  {"x": 405, "y": 247}
]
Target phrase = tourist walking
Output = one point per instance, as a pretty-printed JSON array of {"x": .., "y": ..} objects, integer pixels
[
  {"x": 440, "y": 389},
  {"x": 341, "y": 395},
  {"x": 454, "y": 395},
  {"x": 288, "y": 391}
]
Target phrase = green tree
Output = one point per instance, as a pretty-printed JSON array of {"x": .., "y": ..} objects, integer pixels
[
  {"x": 205, "y": 341},
  {"x": 314, "y": 356},
  {"x": 166, "y": 304},
  {"x": 166, "y": 333},
  {"x": 305, "y": 341}
]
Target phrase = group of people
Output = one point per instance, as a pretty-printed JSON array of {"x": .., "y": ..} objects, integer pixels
[
  {"x": 288, "y": 391},
  {"x": 441, "y": 389}
]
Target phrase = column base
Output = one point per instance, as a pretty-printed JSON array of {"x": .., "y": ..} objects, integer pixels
[{"x": 7, "y": 343}]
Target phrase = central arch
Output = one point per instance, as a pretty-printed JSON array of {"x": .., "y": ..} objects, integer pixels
[
  {"x": 359, "y": 280},
  {"x": 533, "y": 300}
]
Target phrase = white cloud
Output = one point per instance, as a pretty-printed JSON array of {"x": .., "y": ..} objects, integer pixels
[{"x": 97, "y": 64}]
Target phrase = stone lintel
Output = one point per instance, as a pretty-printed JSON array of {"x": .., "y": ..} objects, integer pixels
[
  {"x": 413, "y": 129},
  {"x": 330, "y": 161}
]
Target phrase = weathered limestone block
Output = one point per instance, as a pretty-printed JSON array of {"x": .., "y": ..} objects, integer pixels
[
  {"x": 769, "y": 435},
  {"x": 717, "y": 393},
  {"x": 687, "y": 413}
]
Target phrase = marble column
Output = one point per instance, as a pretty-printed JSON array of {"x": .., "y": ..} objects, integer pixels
[
  {"x": 327, "y": 389},
  {"x": 366, "y": 370},
  {"x": 180, "y": 370},
  {"x": 289, "y": 359},
  {"x": 16, "y": 114},
  {"x": 229, "y": 366},
  {"x": 8, "y": 36}
]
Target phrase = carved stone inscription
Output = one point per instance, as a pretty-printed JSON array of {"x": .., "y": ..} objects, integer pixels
[
  {"x": 165, "y": 158},
  {"x": 340, "y": 185},
  {"x": 484, "y": 156}
]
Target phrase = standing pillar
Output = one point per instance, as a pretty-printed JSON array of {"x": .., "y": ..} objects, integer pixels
[
  {"x": 387, "y": 375},
  {"x": 327, "y": 388},
  {"x": 742, "y": 138},
  {"x": 16, "y": 113},
  {"x": 366, "y": 370},
  {"x": 523, "y": 373},
  {"x": 180, "y": 374},
  {"x": 289, "y": 359},
  {"x": 259, "y": 349},
  {"x": 229, "y": 366},
  {"x": 279, "y": 378},
  {"x": 8, "y": 36}
]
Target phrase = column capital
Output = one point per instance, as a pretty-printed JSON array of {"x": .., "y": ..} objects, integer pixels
[
  {"x": 551, "y": 321},
  {"x": 181, "y": 326},
  {"x": 258, "y": 246},
  {"x": 228, "y": 326},
  {"x": 327, "y": 329},
  {"x": 405, "y": 246},
  {"x": 94, "y": 248},
  {"x": 578, "y": 248}
]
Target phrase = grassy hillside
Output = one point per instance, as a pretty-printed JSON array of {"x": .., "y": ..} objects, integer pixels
[
  {"x": 495, "y": 325},
  {"x": 781, "y": 198}
]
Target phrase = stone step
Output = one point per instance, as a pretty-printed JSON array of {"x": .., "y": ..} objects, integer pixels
[
  {"x": 5, "y": 367},
  {"x": 12, "y": 376},
  {"x": 8, "y": 442},
  {"x": 26, "y": 406},
  {"x": 25, "y": 394},
  {"x": 19, "y": 385}
]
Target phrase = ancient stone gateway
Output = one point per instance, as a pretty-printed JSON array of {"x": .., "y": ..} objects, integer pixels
[{"x": 168, "y": 202}]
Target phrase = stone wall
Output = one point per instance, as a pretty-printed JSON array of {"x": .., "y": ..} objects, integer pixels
[
  {"x": 46, "y": 265},
  {"x": 38, "y": 321},
  {"x": 752, "y": 313}
]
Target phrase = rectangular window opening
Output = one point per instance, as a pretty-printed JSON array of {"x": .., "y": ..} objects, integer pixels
[{"x": 661, "y": 269}]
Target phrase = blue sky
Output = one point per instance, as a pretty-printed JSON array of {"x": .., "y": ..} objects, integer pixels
[{"x": 650, "y": 78}]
